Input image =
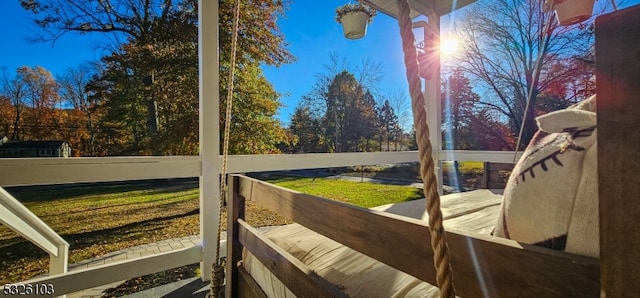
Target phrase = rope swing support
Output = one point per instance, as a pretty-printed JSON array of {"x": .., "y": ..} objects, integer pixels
[
  {"x": 442, "y": 262},
  {"x": 218, "y": 268}
]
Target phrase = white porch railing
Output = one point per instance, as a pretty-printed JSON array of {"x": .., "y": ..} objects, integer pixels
[
  {"x": 79, "y": 280},
  {"x": 34, "y": 171},
  {"x": 17, "y": 217}
]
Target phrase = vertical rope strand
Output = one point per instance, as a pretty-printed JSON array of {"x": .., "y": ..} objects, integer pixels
[
  {"x": 441, "y": 259},
  {"x": 217, "y": 270}
]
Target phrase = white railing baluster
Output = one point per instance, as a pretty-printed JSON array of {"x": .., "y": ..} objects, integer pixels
[
  {"x": 59, "y": 264},
  {"x": 20, "y": 219}
]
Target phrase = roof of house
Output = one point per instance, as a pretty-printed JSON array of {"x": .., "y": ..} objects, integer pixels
[{"x": 32, "y": 145}]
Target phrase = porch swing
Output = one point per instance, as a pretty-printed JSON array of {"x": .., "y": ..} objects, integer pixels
[{"x": 484, "y": 266}]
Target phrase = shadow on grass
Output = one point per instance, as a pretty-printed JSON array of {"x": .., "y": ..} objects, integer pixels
[
  {"x": 12, "y": 250},
  {"x": 82, "y": 240},
  {"x": 130, "y": 203},
  {"x": 70, "y": 191}
]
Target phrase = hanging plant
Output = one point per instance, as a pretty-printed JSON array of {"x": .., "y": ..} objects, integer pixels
[{"x": 354, "y": 19}]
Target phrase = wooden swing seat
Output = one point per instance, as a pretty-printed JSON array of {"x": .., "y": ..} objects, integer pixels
[{"x": 484, "y": 264}]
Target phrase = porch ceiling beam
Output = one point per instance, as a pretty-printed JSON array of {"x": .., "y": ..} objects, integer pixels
[{"x": 418, "y": 7}]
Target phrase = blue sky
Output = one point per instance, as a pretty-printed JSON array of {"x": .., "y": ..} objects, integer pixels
[
  {"x": 15, "y": 50},
  {"x": 309, "y": 28},
  {"x": 314, "y": 34}
]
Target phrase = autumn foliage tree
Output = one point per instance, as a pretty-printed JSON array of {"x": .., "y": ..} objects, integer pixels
[
  {"x": 81, "y": 107},
  {"x": 13, "y": 91},
  {"x": 505, "y": 42},
  {"x": 6, "y": 116},
  {"x": 31, "y": 97},
  {"x": 33, "y": 107},
  {"x": 148, "y": 92}
]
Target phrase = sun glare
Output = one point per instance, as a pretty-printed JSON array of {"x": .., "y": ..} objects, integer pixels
[{"x": 448, "y": 46}]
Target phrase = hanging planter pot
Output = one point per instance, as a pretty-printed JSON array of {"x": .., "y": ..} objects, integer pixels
[
  {"x": 354, "y": 24},
  {"x": 354, "y": 19},
  {"x": 571, "y": 12}
]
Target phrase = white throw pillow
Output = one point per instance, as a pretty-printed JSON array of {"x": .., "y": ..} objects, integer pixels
[{"x": 551, "y": 197}]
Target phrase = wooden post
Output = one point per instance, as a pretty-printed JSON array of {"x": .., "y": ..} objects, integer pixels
[
  {"x": 487, "y": 174},
  {"x": 618, "y": 85},
  {"x": 236, "y": 209}
]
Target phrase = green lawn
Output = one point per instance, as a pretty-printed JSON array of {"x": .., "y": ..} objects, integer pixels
[
  {"x": 97, "y": 219},
  {"x": 100, "y": 218},
  {"x": 465, "y": 167},
  {"x": 360, "y": 194}
]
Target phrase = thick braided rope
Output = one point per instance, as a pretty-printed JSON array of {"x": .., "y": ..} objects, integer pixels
[
  {"x": 217, "y": 270},
  {"x": 217, "y": 281},
  {"x": 438, "y": 236}
]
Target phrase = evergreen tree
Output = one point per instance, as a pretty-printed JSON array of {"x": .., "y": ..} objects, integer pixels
[
  {"x": 307, "y": 129},
  {"x": 458, "y": 105},
  {"x": 350, "y": 117},
  {"x": 389, "y": 127}
]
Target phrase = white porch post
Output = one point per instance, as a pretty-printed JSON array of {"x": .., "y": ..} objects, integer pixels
[
  {"x": 432, "y": 97},
  {"x": 209, "y": 131}
]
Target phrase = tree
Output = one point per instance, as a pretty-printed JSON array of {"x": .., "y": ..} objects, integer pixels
[
  {"x": 41, "y": 95},
  {"x": 255, "y": 129},
  {"x": 14, "y": 89},
  {"x": 389, "y": 127},
  {"x": 577, "y": 84},
  {"x": 458, "y": 105},
  {"x": 128, "y": 19},
  {"x": 344, "y": 98},
  {"x": 490, "y": 133},
  {"x": 147, "y": 90},
  {"x": 260, "y": 42},
  {"x": 350, "y": 114},
  {"x": 366, "y": 122},
  {"x": 308, "y": 130},
  {"x": 402, "y": 108},
  {"x": 6, "y": 116},
  {"x": 503, "y": 43},
  {"x": 413, "y": 141},
  {"x": 339, "y": 98},
  {"x": 74, "y": 92}
]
